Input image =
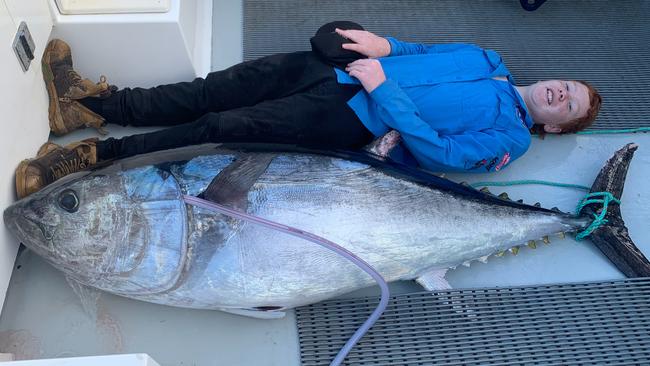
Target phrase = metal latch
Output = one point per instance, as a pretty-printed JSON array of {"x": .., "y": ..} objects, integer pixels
[{"x": 24, "y": 46}]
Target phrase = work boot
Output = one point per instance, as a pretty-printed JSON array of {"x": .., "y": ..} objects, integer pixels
[
  {"x": 54, "y": 162},
  {"x": 67, "y": 116},
  {"x": 65, "y": 87}
]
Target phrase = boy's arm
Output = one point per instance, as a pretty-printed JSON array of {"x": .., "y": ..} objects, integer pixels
[
  {"x": 485, "y": 151},
  {"x": 373, "y": 46},
  {"x": 399, "y": 48}
]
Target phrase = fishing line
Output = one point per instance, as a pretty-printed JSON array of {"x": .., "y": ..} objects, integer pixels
[{"x": 383, "y": 302}]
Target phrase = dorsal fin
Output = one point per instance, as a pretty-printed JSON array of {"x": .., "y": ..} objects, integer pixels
[{"x": 230, "y": 187}]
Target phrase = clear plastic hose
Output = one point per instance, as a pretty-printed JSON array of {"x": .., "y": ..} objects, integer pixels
[{"x": 383, "y": 302}]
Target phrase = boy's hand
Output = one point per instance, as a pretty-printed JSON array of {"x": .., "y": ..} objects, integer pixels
[
  {"x": 366, "y": 43},
  {"x": 368, "y": 71}
]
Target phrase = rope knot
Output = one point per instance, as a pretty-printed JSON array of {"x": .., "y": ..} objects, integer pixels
[{"x": 599, "y": 219}]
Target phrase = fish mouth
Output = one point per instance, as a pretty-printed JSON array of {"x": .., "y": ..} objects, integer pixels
[
  {"x": 14, "y": 220},
  {"x": 28, "y": 230},
  {"x": 46, "y": 230}
]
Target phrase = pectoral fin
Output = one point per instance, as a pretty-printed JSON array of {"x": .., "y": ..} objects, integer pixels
[
  {"x": 88, "y": 296},
  {"x": 434, "y": 280},
  {"x": 230, "y": 187}
]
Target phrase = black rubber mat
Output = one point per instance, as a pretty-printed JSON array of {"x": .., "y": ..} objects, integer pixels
[
  {"x": 597, "y": 323},
  {"x": 603, "y": 42}
]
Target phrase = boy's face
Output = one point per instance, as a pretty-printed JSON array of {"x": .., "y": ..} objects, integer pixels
[{"x": 554, "y": 102}]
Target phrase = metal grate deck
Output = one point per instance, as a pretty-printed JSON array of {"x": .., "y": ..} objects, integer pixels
[
  {"x": 568, "y": 324},
  {"x": 603, "y": 42}
]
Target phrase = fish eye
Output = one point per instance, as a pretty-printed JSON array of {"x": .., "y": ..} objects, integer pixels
[{"x": 68, "y": 201}]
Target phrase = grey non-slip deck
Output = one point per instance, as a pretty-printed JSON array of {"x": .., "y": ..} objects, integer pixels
[
  {"x": 594, "y": 323},
  {"x": 603, "y": 42}
]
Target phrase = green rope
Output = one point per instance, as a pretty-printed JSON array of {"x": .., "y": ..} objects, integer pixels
[
  {"x": 529, "y": 181},
  {"x": 629, "y": 130},
  {"x": 599, "y": 220},
  {"x": 604, "y": 132}
]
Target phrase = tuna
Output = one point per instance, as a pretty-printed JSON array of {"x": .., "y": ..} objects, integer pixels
[{"x": 124, "y": 227}]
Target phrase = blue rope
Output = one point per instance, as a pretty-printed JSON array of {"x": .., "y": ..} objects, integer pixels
[{"x": 599, "y": 220}]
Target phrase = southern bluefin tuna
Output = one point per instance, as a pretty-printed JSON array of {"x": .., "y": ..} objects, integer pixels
[{"x": 125, "y": 228}]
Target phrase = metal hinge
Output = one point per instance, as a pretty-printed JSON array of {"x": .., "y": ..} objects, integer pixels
[{"x": 24, "y": 46}]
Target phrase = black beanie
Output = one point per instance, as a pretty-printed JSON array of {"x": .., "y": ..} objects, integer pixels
[{"x": 327, "y": 44}]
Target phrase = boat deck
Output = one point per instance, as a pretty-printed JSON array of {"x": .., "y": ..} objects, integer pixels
[{"x": 44, "y": 317}]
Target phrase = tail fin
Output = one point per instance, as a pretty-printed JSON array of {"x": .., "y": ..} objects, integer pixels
[{"x": 613, "y": 239}]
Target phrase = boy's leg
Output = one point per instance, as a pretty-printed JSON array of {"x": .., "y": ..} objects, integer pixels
[
  {"x": 242, "y": 85},
  {"x": 304, "y": 119},
  {"x": 317, "y": 118}
]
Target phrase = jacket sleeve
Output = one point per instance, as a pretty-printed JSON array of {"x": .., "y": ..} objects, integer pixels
[
  {"x": 478, "y": 151},
  {"x": 399, "y": 48}
]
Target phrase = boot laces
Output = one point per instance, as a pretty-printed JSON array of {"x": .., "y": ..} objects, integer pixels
[
  {"x": 74, "y": 76},
  {"x": 77, "y": 80},
  {"x": 69, "y": 166}
]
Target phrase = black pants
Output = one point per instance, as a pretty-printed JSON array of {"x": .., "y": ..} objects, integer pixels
[{"x": 287, "y": 98}]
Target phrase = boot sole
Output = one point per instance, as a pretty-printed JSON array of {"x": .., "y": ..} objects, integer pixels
[{"x": 54, "y": 112}]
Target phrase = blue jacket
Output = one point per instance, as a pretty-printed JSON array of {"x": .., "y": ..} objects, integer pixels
[{"x": 451, "y": 113}]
